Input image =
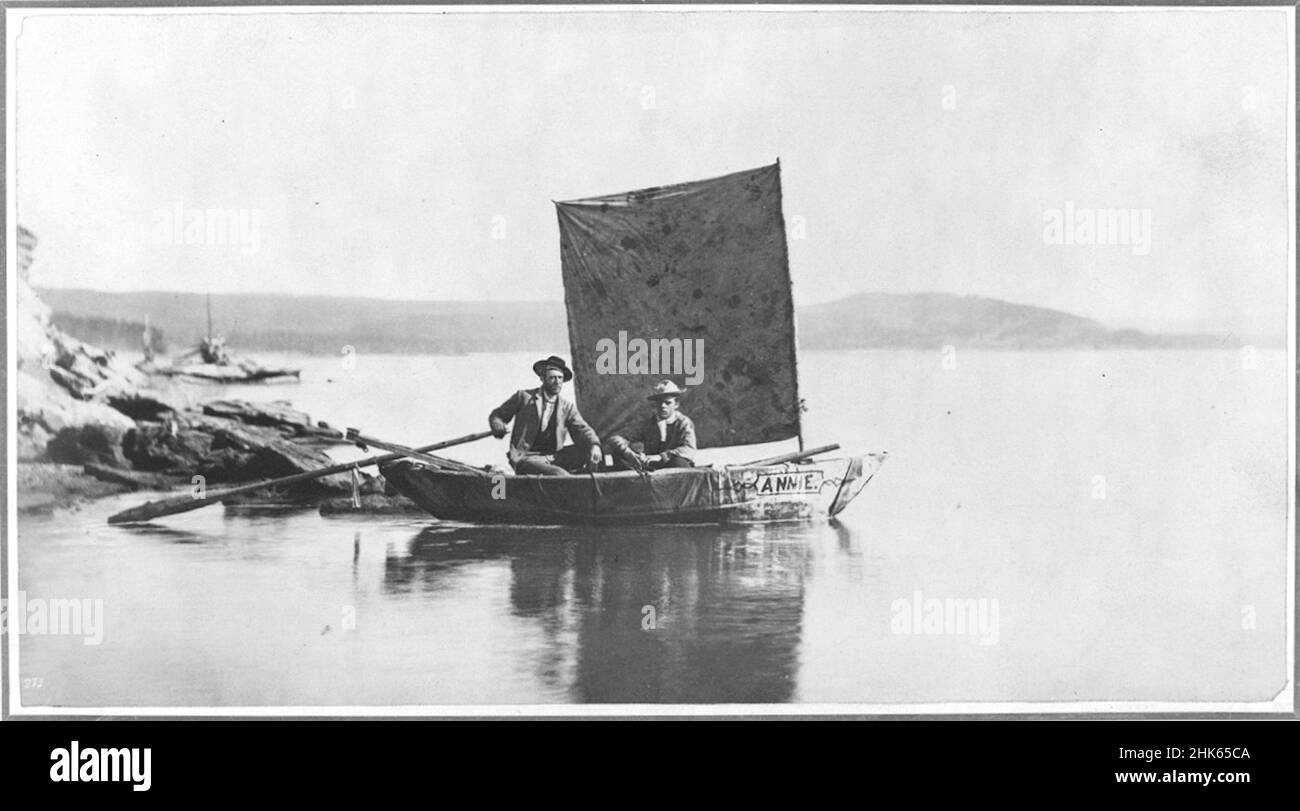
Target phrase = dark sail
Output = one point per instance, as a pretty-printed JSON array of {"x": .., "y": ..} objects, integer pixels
[{"x": 689, "y": 283}]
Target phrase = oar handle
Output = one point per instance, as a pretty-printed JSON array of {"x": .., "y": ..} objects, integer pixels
[
  {"x": 791, "y": 457},
  {"x": 363, "y": 441}
]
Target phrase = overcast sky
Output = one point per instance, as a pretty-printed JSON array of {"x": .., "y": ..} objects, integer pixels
[{"x": 416, "y": 155}]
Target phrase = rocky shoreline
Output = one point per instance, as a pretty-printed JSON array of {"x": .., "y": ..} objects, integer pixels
[
  {"x": 214, "y": 444},
  {"x": 90, "y": 425},
  {"x": 218, "y": 443}
]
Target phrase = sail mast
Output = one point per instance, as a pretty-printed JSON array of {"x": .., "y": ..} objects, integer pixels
[{"x": 794, "y": 327}]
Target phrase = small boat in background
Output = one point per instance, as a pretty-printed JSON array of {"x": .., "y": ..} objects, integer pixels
[{"x": 212, "y": 361}]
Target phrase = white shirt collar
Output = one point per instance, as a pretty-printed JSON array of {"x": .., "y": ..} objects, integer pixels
[{"x": 545, "y": 405}]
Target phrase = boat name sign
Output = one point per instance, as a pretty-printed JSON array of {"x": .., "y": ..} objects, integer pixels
[{"x": 780, "y": 484}]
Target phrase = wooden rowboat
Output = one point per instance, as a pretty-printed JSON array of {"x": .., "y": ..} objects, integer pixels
[
  {"x": 707, "y": 495},
  {"x": 689, "y": 283}
]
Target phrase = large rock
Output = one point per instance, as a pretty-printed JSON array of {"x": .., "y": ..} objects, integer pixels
[
  {"x": 277, "y": 414},
  {"x": 40, "y": 402},
  {"x": 57, "y": 377},
  {"x": 226, "y": 465},
  {"x": 46, "y": 411},
  {"x": 163, "y": 449},
  {"x": 241, "y": 438},
  {"x": 88, "y": 444},
  {"x": 191, "y": 442},
  {"x": 139, "y": 405},
  {"x": 284, "y": 458},
  {"x": 88, "y": 371}
]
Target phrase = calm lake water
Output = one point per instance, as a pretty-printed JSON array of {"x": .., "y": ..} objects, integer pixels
[{"x": 1119, "y": 516}]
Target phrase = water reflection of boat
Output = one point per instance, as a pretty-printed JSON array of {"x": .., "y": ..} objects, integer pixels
[
  {"x": 682, "y": 269},
  {"x": 638, "y": 614}
]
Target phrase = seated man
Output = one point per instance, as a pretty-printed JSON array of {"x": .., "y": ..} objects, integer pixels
[
  {"x": 665, "y": 439},
  {"x": 544, "y": 418}
]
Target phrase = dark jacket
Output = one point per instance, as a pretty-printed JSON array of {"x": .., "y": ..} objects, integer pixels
[
  {"x": 680, "y": 439},
  {"x": 522, "y": 408}
]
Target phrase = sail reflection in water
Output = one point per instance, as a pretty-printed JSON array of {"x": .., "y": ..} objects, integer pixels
[{"x": 642, "y": 615}]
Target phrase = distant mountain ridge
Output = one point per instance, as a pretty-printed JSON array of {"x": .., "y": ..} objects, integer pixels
[
  {"x": 931, "y": 320},
  {"x": 325, "y": 325}
]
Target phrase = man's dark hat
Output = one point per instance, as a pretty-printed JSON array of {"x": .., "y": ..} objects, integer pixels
[{"x": 558, "y": 363}]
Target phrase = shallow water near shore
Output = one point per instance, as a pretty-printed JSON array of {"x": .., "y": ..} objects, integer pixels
[{"x": 1118, "y": 517}]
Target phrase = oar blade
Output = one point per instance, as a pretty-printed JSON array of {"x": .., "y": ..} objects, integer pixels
[{"x": 156, "y": 509}]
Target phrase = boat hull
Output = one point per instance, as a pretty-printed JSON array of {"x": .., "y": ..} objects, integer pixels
[
  {"x": 709, "y": 495},
  {"x": 222, "y": 373}
]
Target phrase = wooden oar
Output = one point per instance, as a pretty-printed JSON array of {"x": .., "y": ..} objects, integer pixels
[
  {"x": 351, "y": 435},
  {"x": 180, "y": 504},
  {"x": 791, "y": 457},
  {"x": 363, "y": 441}
]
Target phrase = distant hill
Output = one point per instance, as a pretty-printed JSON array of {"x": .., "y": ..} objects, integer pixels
[
  {"x": 929, "y": 320},
  {"x": 324, "y": 325},
  {"x": 110, "y": 333}
]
